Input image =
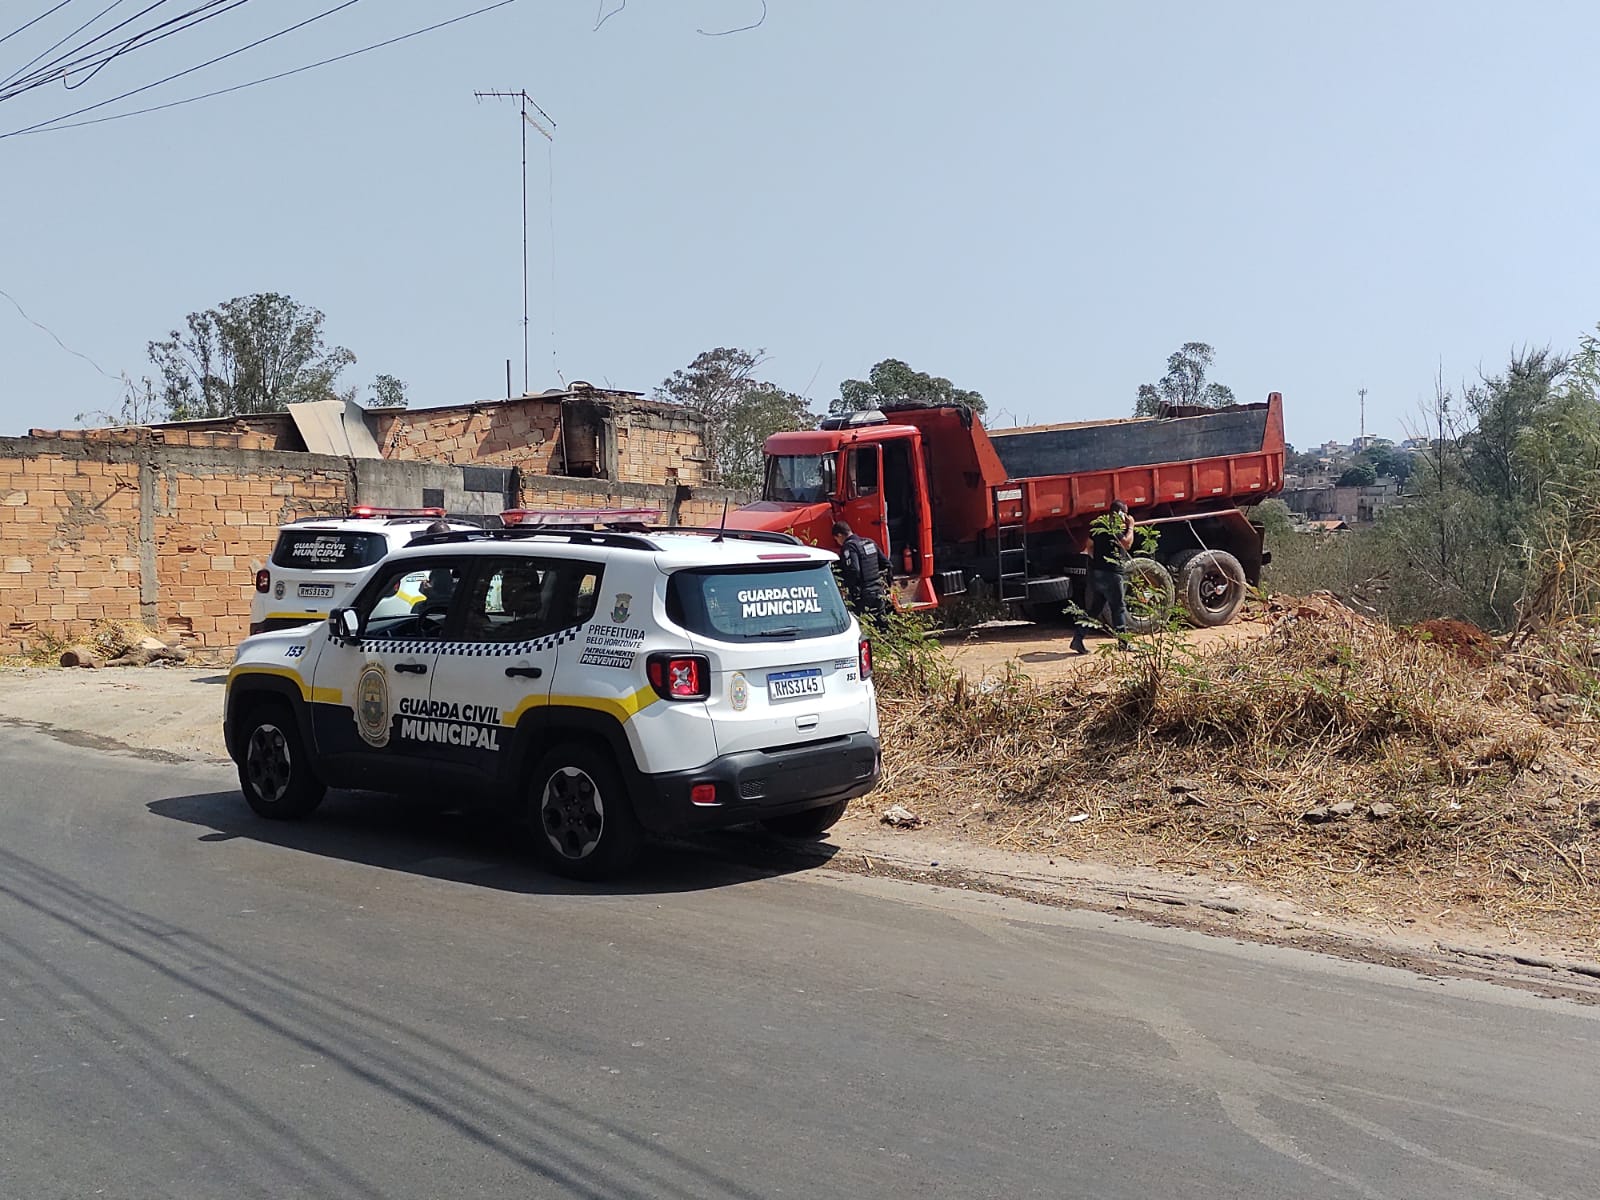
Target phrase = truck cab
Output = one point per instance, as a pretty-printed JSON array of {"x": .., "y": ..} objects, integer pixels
[{"x": 862, "y": 469}]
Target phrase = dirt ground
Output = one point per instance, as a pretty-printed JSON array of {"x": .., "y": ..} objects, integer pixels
[
  {"x": 175, "y": 713},
  {"x": 1044, "y": 652}
]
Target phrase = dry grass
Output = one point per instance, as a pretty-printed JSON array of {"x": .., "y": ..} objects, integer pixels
[{"x": 1496, "y": 814}]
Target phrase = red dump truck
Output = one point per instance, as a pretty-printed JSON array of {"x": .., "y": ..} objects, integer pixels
[{"x": 951, "y": 504}]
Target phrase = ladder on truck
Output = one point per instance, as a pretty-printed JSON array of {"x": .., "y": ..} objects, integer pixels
[{"x": 1011, "y": 542}]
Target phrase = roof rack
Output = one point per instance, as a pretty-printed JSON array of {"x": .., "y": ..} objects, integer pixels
[
  {"x": 630, "y": 537},
  {"x": 742, "y": 535},
  {"x": 523, "y": 533}
]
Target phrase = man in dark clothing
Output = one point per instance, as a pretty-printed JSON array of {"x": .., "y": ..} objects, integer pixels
[
  {"x": 862, "y": 567},
  {"x": 1111, "y": 547}
]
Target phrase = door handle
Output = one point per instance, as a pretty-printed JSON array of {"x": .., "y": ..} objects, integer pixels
[
  {"x": 411, "y": 668},
  {"x": 524, "y": 672}
]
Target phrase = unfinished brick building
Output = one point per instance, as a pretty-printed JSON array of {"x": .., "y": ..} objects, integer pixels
[{"x": 166, "y": 523}]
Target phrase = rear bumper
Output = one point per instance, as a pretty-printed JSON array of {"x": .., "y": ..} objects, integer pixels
[{"x": 755, "y": 784}]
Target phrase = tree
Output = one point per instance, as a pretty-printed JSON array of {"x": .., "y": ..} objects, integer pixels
[
  {"x": 1358, "y": 475},
  {"x": 741, "y": 411},
  {"x": 251, "y": 354},
  {"x": 1184, "y": 383},
  {"x": 388, "y": 392},
  {"x": 894, "y": 382},
  {"x": 140, "y": 406}
]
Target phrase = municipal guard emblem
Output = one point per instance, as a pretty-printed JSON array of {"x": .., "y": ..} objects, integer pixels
[
  {"x": 619, "y": 610},
  {"x": 372, "y": 705}
]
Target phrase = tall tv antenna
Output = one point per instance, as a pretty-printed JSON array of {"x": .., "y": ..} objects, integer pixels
[
  {"x": 1363, "y": 394},
  {"x": 524, "y": 101}
]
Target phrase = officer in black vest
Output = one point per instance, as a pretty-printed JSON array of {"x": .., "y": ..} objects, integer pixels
[{"x": 862, "y": 567}]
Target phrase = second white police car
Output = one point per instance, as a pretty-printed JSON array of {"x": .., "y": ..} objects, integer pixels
[{"x": 608, "y": 685}]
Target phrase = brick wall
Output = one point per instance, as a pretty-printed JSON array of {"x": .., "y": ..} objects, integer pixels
[
  {"x": 91, "y": 529},
  {"x": 523, "y": 434},
  {"x": 131, "y": 528}
]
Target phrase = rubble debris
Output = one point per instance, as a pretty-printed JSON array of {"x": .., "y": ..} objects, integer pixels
[
  {"x": 80, "y": 656},
  {"x": 898, "y": 816}
]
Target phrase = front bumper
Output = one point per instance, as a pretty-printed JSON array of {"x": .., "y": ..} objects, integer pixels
[{"x": 755, "y": 784}]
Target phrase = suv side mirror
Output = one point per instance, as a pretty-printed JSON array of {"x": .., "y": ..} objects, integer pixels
[{"x": 345, "y": 624}]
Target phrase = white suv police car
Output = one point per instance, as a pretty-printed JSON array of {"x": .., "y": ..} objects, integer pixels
[
  {"x": 316, "y": 561},
  {"x": 607, "y": 684}
]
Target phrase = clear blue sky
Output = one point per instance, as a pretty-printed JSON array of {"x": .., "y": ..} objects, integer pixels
[{"x": 1040, "y": 200}]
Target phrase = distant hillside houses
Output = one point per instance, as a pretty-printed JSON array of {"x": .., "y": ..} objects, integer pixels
[{"x": 1348, "y": 483}]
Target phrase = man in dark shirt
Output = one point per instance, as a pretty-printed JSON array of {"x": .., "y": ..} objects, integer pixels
[
  {"x": 861, "y": 567},
  {"x": 1111, "y": 547}
]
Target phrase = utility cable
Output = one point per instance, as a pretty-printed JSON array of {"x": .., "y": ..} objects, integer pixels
[
  {"x": 95, "y": 61},
  {"x": 261, "y": 41},
  {"x": 61, "y": 122},
  {"x": 35, "y": 21}
]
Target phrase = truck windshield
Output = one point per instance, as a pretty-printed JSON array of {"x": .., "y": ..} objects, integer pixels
[
  {"x": 746, "y": 604},
  {"x": 799, "y": 478}
]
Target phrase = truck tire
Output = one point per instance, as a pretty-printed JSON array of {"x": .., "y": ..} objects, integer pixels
[
  {"x": 1213, "y": 586},
  {"x": 275, "y": 772},
  {"x": 810, "y": 823},
  {"x": 1150, "y": 595},
  {"x": 581, "y": 816}
]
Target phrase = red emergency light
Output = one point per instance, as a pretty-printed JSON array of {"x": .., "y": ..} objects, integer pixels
[
  {"x": 367, "y": 510},
  {"x": 580, "y": 516}
]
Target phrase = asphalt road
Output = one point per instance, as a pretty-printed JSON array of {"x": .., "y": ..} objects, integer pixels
[{"x": 388, "y": 1002}]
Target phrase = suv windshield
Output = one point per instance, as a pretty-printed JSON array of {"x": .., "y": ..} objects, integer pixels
[
  {"x": 752, "y": 603},
  {"x": 328, "y": 549},
  {"x": 799, "y": 478}
]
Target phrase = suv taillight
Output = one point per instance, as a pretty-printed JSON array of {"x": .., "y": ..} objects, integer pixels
[
  {"x": 263, "y": 580},
  {"x": 866, "y": 659},
  {"x": 679, "y": 676}
]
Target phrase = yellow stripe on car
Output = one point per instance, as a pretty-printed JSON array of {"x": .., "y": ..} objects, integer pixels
[
  {"x": 307, "y": 692},
  {"x": 622, "y": 707}
]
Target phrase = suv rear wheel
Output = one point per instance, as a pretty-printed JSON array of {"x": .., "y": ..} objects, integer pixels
[
  {"x": 274, "y": 769},
  {"x": 580, "y": 815}
]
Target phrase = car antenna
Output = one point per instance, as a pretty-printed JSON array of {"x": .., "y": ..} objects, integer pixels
[{"x": 723, "y": 527}]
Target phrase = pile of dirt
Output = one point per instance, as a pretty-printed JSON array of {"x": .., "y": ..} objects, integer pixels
[
  {"x": 1459, "y": 637},
  {"x": 1333, "y": 759}
]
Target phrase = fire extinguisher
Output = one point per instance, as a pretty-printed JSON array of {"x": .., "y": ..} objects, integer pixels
[{"x": 905, "y": 558}]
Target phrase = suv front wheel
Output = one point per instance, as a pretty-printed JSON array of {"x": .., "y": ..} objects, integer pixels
[
  {"x": 580, "y": 815},
  {"x": 274, "y": 769}
]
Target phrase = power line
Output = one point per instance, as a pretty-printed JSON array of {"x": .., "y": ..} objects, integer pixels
[
  {"x": 51, "y": 333},
  {"x": 261, "y": 41},
  {"x": 95, "y": 61},
  {"x": 59, "y": 123},
  {"x": 29, "y": 25}
]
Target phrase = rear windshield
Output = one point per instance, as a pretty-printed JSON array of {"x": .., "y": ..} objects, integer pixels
[
  {"x": 328, "y": 549},
  {"x": 751, "y": 604}
]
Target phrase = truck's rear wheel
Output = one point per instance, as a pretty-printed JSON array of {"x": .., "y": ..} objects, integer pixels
[
  {"x": 1213, "y": 587},
  {"x": 1150, "y": 595}
]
